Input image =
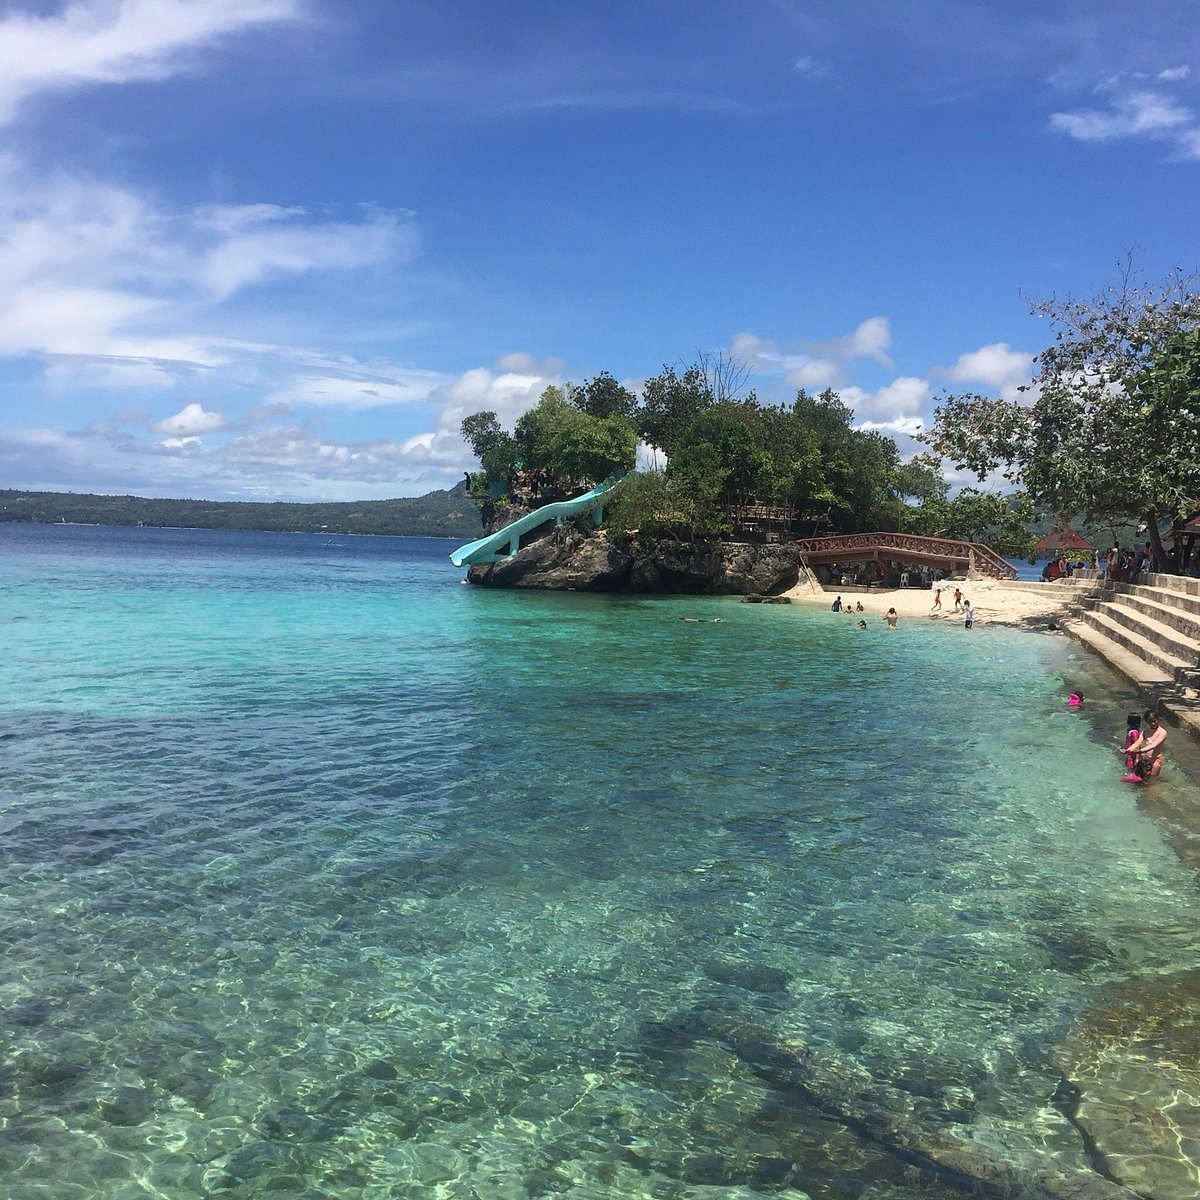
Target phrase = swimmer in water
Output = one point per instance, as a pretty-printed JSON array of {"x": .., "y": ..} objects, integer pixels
[
  {"x": 1133, "y": 731},
  {"x": 1075, "y": 700},
  {"x": 1147, "y": 750}
]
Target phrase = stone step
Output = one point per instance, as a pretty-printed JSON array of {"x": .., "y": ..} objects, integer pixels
[
  {"x": 1185, "y": 584},
  {"x": 1150, "y": 626},
  {"x": 1130, "y": 663},
  {"x": 1159, "y": 607},
  {"x": 1182, "y": 586},
  {"x": 1179, "y": 702},
  {"x": 1182, "y": 601},
  {"x": 1150, "y": 640}
]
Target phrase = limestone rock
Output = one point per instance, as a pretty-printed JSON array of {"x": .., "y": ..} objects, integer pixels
[{"x": 585, "y": 559}]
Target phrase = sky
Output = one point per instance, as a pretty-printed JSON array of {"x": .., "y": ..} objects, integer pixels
[{"x": 278, "y": 249}]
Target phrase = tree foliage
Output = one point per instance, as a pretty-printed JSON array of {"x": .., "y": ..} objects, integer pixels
[
  {"x": 571, "y": 445},
  {"x": 558, "y": 436},
  {"x": 605, "y": 397},
  {"x": 436, "y": 514},
  {"x": 497, "y": 451},
  {"x": 670, "y": 401},
  {"x": 1110, "y": 427},
  {"x": 725, "y": 450}
]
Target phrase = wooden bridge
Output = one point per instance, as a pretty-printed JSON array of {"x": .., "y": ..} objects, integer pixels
[{"x": 945, "y": 554}]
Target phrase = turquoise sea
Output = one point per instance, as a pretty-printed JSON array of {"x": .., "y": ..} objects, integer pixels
[{"x": 324, "y": 875}]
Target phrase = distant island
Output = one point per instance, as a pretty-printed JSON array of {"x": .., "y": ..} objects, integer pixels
[{"x": 449, "y": 514}]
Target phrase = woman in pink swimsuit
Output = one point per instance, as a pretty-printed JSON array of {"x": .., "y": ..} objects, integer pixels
[{"x": 1147, "y": 750}]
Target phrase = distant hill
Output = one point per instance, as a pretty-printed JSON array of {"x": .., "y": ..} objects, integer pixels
[{"x": 450, "y": 514}]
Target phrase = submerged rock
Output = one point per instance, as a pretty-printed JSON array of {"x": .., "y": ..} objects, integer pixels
[
  {"x": 749, "y": 976},
  {"x": 1132, "y": 1085},
  {"x": 815, "y": 1083}
]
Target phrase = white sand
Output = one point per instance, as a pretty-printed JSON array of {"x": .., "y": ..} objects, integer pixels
[{"x": 995, "y": 602}]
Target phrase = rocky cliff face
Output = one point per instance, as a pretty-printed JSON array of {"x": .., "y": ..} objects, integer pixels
[{"x": 585, "y": 560}]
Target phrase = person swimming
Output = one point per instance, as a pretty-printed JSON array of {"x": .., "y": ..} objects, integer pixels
[{"x": 1075, "y": 700}]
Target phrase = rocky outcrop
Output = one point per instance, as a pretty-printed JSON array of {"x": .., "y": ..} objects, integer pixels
[{"x": 583, "y": 559}]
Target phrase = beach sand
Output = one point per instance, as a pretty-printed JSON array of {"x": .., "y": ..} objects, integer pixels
[{"x": 996, "y": 602}]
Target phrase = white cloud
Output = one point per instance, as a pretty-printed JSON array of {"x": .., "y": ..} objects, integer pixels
[
  {"x": 508, "y": 394},
  {"x": 872, "y": 339},
  {"x": 527, "y": 364},
  {"x": 75, "y": 372},
  {"x": 814, "y": 375},
  {"x": 816, "y": 365},
  {"x": 896, "y": 406},
  {"x": 64, "y": 319},
  {"x": 276, "y": 460},
  {"x": 191, "y": 421},
  {"x": 264, "y": 248},
  {"x": 807, "y": 67},
  {"x": 996, "y": 366},
  {"x": 358, "y": 391},
  {"x": 88, "y": 268},
  {"x": 1135, "y": 114},
  {"x": 1174, "y": 74},
  {"x": 112, "y": 41},
  {"x": 229, "y": 219}
]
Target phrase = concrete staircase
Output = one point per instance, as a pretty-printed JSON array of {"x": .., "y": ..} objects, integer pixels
[{"x": 1148, "y": 631}]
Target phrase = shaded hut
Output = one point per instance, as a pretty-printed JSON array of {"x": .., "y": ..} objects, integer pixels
[{"x": 1064, "y": 540}]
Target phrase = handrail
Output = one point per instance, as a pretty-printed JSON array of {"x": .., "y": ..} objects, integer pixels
[{"x": 981, "y": 556}]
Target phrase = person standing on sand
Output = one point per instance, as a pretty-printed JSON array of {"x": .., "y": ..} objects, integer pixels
[
  {"x": 958, "y": 598},
  {"x": 937, "y": 601}
]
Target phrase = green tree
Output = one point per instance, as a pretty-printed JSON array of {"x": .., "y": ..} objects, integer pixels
[
  {"x": 571, "y": 445},
  {"x": 858, "y": 465},
  {"x": 796, "y": 473},
  {"x": 1111, "y": 430},
  {"x": 497, "y": 450},
  {"x": 605, "y": 397},
  {"x": 720, "y": 444},
  {"x": 669, "y": 403},
  {"x": 920, "y": 478}
]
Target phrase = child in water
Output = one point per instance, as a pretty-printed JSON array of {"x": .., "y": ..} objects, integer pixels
[
  {"x": 1133, "y": 731},
  {"x": 1075, "y": 700}
]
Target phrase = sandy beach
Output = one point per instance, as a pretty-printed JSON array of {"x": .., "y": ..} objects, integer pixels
[{"x": 996, "y": 602}]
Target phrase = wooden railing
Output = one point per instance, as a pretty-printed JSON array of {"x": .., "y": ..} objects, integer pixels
[{"x": 907, "y": 547}]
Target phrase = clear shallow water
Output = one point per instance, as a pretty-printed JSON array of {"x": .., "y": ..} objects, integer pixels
[{"x": 324, "y": 875}]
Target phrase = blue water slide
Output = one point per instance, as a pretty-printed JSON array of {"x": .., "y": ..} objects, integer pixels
[{"x": 504, "y": 543}]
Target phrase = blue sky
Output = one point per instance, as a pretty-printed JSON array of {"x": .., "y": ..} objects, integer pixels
[{"x": 277, "y": 249}]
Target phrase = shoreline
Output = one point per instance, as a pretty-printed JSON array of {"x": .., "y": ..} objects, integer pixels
[
  {"x": 1017, "y": 604},
  {"x": 996, "y": 602}
]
